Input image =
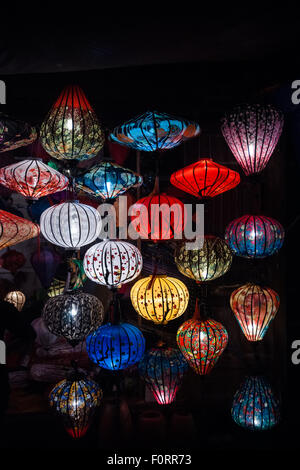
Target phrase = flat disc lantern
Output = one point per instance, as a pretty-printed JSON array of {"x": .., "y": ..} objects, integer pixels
[
  {"x": 205, "y": 179},
  {"x": 17, "y": 298},
  {"x": 254, "y": 236},
  {"x": 252, "y": 133},
  {"x": 32, "y": 178},
  {"x": 254, "y": 308},
  {"x": 14, "y": 229},
  {"x": 159, "y": 298},
  {"x": 71, "y": 129}
]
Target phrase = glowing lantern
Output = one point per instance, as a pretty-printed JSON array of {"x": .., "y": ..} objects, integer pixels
[
  {"x": 163, "y": 369},
  {"x": 154, "y": 131},
  {"x": 252, "y": 132},
  {"x": 210, "y": 262},
  {"x": 254, "y": 308},
  {"x": 202, "y": 341},
  {"x": 15, "y": 133},
  {"x": 57, "y": 287},
  {"x": 71, "y": 129},
  {"x": 71, "y": 224},
  {"x": 112, "y": 263},
  {"x": 116, "y": 347},
  {"x": 159, "y": 298},
  {"x": 17, "y": 298},
  {"x": 14, "y": 229},
  {"x": 73, "y": 266},
  {"x": 254, "y": 236},
  {"x": 205, "y": 178},
  {"x": 75, "y": 401},
  {"x": 254, "y": 406},
  {"x": 12, "y": 260}
]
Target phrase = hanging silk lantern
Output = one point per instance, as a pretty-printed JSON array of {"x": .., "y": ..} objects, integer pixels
[
  {"x": 116, "y": 347},
  {"x": 159, "y": 298},
  {"x": 15, "y": 229},
  {"x": 71, "y": 129},
  {"x": 71, "y": 224},
  {"x": 32, "y": 178},
  {"x": 207, "y": 263},
  {"x": 108, "y": 180},
  {"x": 15, "y": 133},
  {"x": 77, "y": 279},
  {"x": 75, "y": 401},
  {"x": 254, "y": 236},
  {"x": 73, "y": 315},
  {"x": 202, "y": 341},
  {"x": 205, "y": 179},
  {"x": 252, "y": 133},
  {"x": 112, "y": 263},
  {"x": 12, "y": 260},
  {"x": 57, "y": 287},
  {"x": 154, "y": 131},
  {"x": 254, "y": 308},
  {"x": 162, "y": 369},
  {"x": 254, "y": 405},
  {"x": 45, "y": 262},
  {"x": 17, "y": 298}
]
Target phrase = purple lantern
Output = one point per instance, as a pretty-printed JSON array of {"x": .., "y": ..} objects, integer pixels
[{"x": 45, "y": 263}]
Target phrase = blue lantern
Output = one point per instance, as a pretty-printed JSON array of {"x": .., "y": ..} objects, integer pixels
[
  {"x": 115, "y": 347},
  {"x": 254, "y": 405}
]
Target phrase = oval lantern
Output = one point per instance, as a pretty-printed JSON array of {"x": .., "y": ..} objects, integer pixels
[
  {"x": 12, "y": 260},
  {"x": 205, "y": 179},
  {"x": 71, "y": 129},
  {"x": 254, "y": 308},
  {"x": 71, "y": 224},
  {"x": 45, "y": 262},
  {"x": 112, "y": 263},
  {"x": 254, "y": 236},
  {"x": 15, "y": 229},
  {"x": 162, "y": 369},
  {"x": 252, "y": 133},
  {"x": 115, "y": 347},
  {"x": 254, "y": 405},
  {"x": 207, "y": 263},
  {"x": 159, "y": 298},
  {"x": 17, "y": 298}
]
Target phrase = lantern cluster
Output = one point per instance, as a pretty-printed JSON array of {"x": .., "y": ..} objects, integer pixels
[
  {"x": 17, "y": 298},
  {"x": 15, "y": 229}
]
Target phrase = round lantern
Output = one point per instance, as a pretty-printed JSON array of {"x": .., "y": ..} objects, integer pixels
[
  {"x": 254, "y": 405},
  {"x": 15, "y": 133},
  {"x": 15, "y": 229},
  {"x": 159, "y": 298},
  {"x": 71, "y": 224},
  {"x": 45, "y": 262},
  {"x": 254, "y": 308},
  {"x": 205, "y": 178},
  {"x": 12, "y": 260},
  {"x": 202, "y": 341},
  {"x": 252, "y": 132},
  {"x": 71, "y": 129},
  {"x": 112, "y": 263},
  {"x": 254, "y": 236},
  {"x": 32, "y": 178},
  {"x": 73, "y": 315},
  {"x": 163, "y": 369},
  {"x": 17, "y": 298},
  {"x": 210, "y": 262},
  {"x": 116, "y": 347},
  {"x": 75, "y": 402},
  {"x": 154, "y": 131},
  {"x": 108, "y": 180}
]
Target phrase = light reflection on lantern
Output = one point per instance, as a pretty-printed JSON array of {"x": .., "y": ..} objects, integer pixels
[{"x": 17, "y": 298}]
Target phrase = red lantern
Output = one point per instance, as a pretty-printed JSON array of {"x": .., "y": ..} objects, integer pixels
[
  {"x": 12, "y": 260},
  {"x": 14, "y": 229},
  {"x": 205, "y": 178}
]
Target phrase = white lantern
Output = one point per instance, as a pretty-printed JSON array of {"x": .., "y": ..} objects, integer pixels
[
  {"x": 17, "y": 298},
  {"x": 70, "y": 224},
  {"x": 112, "y": 263}
]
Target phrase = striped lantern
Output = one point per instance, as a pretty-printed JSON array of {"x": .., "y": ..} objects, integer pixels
[
  {"x": 15, "y": 229},
  {"x": 17, "y": 298}
]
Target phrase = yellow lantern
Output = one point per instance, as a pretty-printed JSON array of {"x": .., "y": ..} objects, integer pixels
[
  {"x": 17, "y": 298},
  {"x": 159, "y": 298}
]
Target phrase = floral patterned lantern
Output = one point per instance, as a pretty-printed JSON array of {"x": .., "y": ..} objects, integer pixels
[
  {"x": 71, "y": 129},
  {"x": 254, "y": 236},
  {"x": 15, "y": 133},
  {"x": 14, "y": 229},
  {"x": 252, "y": 132},
  {"x": 17, "y": 298}
]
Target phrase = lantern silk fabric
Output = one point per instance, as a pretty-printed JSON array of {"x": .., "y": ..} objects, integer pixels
[
  {"x": 14, "y": 229},
  {"x": 17, "y": 298}
]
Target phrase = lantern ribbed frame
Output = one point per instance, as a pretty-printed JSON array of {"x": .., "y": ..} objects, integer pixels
[
  {"x": 15, "y": 229},
  {"x": 17, "y": 298}
]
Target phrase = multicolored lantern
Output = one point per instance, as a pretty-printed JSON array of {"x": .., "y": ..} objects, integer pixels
[
  {"x": 202, "y": 341},
  {"x": 116, "y": 347},
  {"x": 162, "y": 369},
  {"x": 205, "y": 179},
  {"x": 71, "y": 129},
  {"x": 159, "y": 298},
  {"x": 14, "y": 229},
  {"x": 112, "y": 263},
  {"x": 154, "y": 131},
  {"x": 73, "y": 266},
  {"x": 17, "y": 298},
  {"x": 32, "y": 178},
  {"x": 206, "y": 264},
  {"x": 254, "y": 308},
  {"x": 254, "y": 236},
  {"x": 45, "y": 261},
  {"x": 15, "y": 133},
  {"x": 12, "y": 260},
  {"x": 254, "y": 405},
  {"x": 252, "y": 133}
]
